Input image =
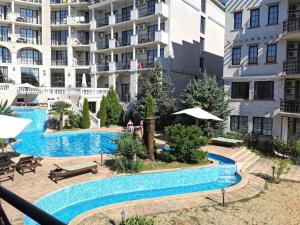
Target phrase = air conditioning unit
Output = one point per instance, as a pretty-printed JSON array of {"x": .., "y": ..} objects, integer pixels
[
  {"x": 141, "y": 51},
  {"x": 290, "y": 91},
  {"x": 141, "y": 26},
  {"x": 294, "y": 7}
]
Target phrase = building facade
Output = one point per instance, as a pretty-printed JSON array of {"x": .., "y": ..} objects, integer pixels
[
  {"x": 98, "y": 44},
  {"x": 261, "y": 67}
]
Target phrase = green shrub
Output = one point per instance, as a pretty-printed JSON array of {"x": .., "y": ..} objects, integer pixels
[
  {"x": 166, "y": 156},
  {"x": 296, "y": 149},
  {"x": 74, "y": 120},
  {"x": 129, "y": 150},
  {"x": 150, "y": 107},
  {"x": 139, "y": 220},
  {"x": 86, "y": 122},
  {"x": 281, "y": 168},
  {"x": 187, "y": 141},
  {"x": 102, "y": 113},
  {"x": 114, "y": 108},
  {"x": 236, "y": 136}
]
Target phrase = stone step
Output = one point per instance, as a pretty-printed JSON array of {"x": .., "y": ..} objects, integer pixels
[
  {"x": 246, "y": 156},
  {"x": 240, "y": 152},
  {"x": 250, "y": 162}
]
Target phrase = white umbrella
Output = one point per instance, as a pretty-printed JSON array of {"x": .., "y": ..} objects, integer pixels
[
  {"x": 10, "y": 126},
  {"x": 84, "y": 83},
  {"x": 199, "y": 113},
  {"x": 26, "y": 86}
]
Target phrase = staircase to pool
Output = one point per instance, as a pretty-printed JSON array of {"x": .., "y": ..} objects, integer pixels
[{"x": 244, "y": 158}]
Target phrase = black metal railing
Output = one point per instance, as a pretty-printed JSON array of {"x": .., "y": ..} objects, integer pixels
[
  {"x": 145, "y": 64},
  {"x": 291, "y": 25},
  {"x": 290, "y": 106},
  {"x": 102, "y": 22},
  {"x": 103, "y": 67},
  {"x": 291, "y": 66},
  {"x": 122, "y": 42},
  {"x": 25, "y": 207},
  {"x": 143, "y": 12},
  {"x": 122, "y": 65}
]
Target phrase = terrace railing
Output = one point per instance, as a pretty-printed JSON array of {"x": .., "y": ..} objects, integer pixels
[
  {"x": 102, "y": 22},
  {"x": 143, "y": 12},
  {"x": 146, "y": 38},
  {"x": 291, "y": 66},
  {"x": 122, "y": 18},
  {"x": 123, "y": 65},
  {"x": 290, "y": 106},
  {"x": 25, "y": 207},
  {"x": 291, "y": 25},
  {"x": 145, "y": 64}
]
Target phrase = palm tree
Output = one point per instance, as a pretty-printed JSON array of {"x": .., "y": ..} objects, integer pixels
[
  {"x": 61, "y": 108},
  {"x": 6, "y": 110}
]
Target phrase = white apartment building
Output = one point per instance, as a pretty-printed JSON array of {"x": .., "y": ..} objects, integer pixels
[
  {"x": 262, "y": 67},
  {"x": 81, "y": 47}
]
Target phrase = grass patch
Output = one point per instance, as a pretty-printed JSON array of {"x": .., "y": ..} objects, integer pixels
[{"x": 148, "y": 165}]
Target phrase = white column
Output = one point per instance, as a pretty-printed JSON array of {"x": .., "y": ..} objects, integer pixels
[
  {"x": 133, "y": 85},
  {"x": 13, "y": 11},
  {"x": 158, "y": 50},
  {"x": 134, "y": 28},
  {"x": 284, "y": 129},
  {"x": 134, "y": 4},
  {"x": 111, "y": 56},
  {"x": 69, "y": 10},
  {"x": 133, "y": 53},
  {"x": 158, "y": 23},
  {"x": 112, "y": 80},
  {"x": 112, "y": 9},
  {"x": 93, "y": 14},
  {"x": 111, "y": 32}
]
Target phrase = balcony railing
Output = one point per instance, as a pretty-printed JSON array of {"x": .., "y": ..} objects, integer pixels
[
  {"x": 122, "y": 18},
  {"x": 121, "y": 43},
  {"x": 102, "y": 22},
  {"x": 143, "y": 12},
  {"x": 58, "y": 1},
  {"x": 290, "y": 106},
  {"x": 291, "y": 66},
  {"x": 103, "y": 44},
  {"x": 145, "y": 64},
  {"x": 59, "y": 62},
  {"x": 146, "y": 38},
  {"x": 102, "y": 67},
  {"x": 58, "y": 42},
  {"x": 33, "y": 1},
  {"x": 122, "y": 65},
  {"x": 291, "y": 25}
]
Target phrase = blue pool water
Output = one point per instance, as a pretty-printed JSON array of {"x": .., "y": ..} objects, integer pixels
[
  {"x": 34, "y": 142},
  {"x": 67, "y": 203}
]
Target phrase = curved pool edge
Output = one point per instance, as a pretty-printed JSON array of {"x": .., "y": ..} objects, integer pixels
[{"x": 241, "y": 184}]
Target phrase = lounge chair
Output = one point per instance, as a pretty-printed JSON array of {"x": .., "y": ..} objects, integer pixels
[
  {"x": 7, "y": 170},
  {"x": 67, "y": 171},
  {"x": 26, "y": 163}
]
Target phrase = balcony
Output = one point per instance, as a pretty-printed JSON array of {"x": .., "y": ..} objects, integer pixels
[
  {"x": 102, "y": 67},
  {"x": 122, "y": 65},
  {"x": 32, "y": 1},
  {"x": 102, "y": 22},
  {"x": 143, "y": 12},
  {"x": 290, "y": 106},
  {"x": 291, "y": 66},
  {"x": 145, "y": 64},
  {"x": 146, "y": 38},
  {"x": 59, "y": 62},
  {"x": 122, "y": 18},
  {"x": 122, "y": 43},
  {"x": 58, "y": 1},
  {"x": 103, "y": 44},
  {"x": 291, "y": 28}
]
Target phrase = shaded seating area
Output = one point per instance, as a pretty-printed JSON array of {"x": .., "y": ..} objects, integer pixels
[
  {"x": 68, "y": 171},
  {"x": 26, "y": 164}
]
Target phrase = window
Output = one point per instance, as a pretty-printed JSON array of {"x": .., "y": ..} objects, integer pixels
[
  {"x": 264, "y": 90},
  {"x": 4, "y": 33},
  {"x": 30, "y": 76},
  {"x": 240, "y": 90},
  {"x": 152, "y": 55},
  {"x": 239, "y": 124},
  {"x": 57, "y": 78},
  {"x": 203, "y": 6},
  {"x": 59, "y": 58},
  {"x": 262, "y": 126},
  {"x": 254, "y": 18},
  {"x": 126, "y": 13},
  {"x": 151, "y": 7},
  {"x": 29, "y": 35},
  {"x": 30, "y": 56},
  {"x": 236, "y": 56},
  {"x": 4, "y": 55},
  {"x": 31, "y": 16},
  {"x": 202, "y": 25},
  {"x": 253, "y": 55},
  {"x": 59, "y": 17},
  {"x": 273, "y": 14},
  {"x": 126, "y": 35},
  {"x": 238, "y": 20},
  {"x": 92, "y": 107},
  {"x": 202, "y": 42},
  {"x": 3, "y": 12},
  {"x": 79, "y": 76},
  {"x": 3, "y": 74},
  {"x": 201, "y": 64},
  {"x": 59, "y": 37},
  {"x": 271, "y": 53}
]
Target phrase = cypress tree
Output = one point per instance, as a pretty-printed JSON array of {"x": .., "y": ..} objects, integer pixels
[
  {"x": 150, "y": 107},
  {"x": 102, "y": 114},
  {"x": 86, "y": 122},
  {"x": 113, "y": 106}
]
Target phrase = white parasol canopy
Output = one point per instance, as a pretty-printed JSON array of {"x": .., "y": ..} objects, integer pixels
[
  {"x": 11, "y": 126},
  {"x": 199, "y": 113},
  {"x": 26, "y": 85},
  {"x": 84, "y": 83}
]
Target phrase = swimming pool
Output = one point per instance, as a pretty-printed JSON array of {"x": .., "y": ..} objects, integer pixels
[
  {"x": 35, "y": 142},
  {"x": 70, "y": 202}
]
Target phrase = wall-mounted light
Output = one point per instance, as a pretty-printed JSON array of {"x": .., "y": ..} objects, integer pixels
[
  {"x": 44, "y": 72},
  {"x": 14, "y": 68}
]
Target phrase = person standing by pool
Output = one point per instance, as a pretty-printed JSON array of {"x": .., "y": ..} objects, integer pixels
[{"x": 130, "y": 125}]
